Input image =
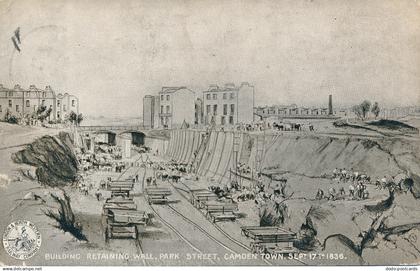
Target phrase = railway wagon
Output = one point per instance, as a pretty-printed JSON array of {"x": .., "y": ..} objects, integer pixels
[
  {"x": 119, "y": 203},
  {"x": 120, "y": 185},
  {"x": 120, "y": 192},
  {"x": 158, "y": 195},
  {"x": 199, "y": 198},
  {"x": 273, "y": 240},
  {"x": 124, "y": 223},
  {"x": 217, "y": 211}
]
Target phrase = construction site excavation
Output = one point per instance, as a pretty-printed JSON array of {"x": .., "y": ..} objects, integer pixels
[{"x": 318, "y": 194}]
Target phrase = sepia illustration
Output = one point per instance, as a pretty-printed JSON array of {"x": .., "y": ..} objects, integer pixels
[{"x": 210, "y": 133}]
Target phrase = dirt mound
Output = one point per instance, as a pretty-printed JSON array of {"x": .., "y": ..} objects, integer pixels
[
  {"x": 53, "y": 157},
  {"x": 394, "y": 125}
]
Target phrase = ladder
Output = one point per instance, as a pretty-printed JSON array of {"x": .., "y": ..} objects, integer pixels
[
  {"x": 202, "y": 148},
  {"x": 236, "y": 145},
  {"x": 260, "y": 146}
]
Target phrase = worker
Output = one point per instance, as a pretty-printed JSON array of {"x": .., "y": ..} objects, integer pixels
[{"x": 351, "y": 190}]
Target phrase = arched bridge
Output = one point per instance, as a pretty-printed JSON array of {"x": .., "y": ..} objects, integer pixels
[
  {"x": 138, "y": 133},
  {"x": 112, "y": 128}
]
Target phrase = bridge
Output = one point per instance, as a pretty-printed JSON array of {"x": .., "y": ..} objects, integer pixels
[
  {"x": 111, "y": 132},
  {"x": 116, "y": 128}
]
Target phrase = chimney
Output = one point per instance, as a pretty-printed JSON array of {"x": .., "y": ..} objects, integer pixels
[{"x": 330, "y": 106}]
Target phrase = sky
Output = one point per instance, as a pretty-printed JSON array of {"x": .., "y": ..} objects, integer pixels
[{"x": 112, "y": 53}]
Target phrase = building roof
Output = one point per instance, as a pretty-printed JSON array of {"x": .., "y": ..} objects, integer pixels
[
  {"x": 226, "y": 87},
  {"x": 173, "y": 89}
]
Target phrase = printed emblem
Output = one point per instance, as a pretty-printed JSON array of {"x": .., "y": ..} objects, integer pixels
[{"x": 22, "y": 239}]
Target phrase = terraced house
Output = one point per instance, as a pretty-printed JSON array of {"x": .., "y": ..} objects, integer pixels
[
  {"x": 22, "y": 102},
  {"x": 228, "y": 105}
]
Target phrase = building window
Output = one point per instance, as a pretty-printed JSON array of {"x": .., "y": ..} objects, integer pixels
[
  {"x": 215, "y": 109},
  {"x": 232, "y": 109},
  {"x": 208, "y": 109},
  {"x": 58, "y": 103},
  {"x": 225, "y": 109},
  {"x": 161, "y": 109},
  {"x": 43, "y": 94},
  {"x": 17, "y": 108},
  {"x": 214, "y": 96},
  {"x": 232, "y": 95},
  {"x": 222, "y": 120},
  {"x": 11, "y": 93},
  {"x": 167, "y": 97},
  {"x": 73, "y": 102},
  {"x": 161, "y": 97},
  {"x": 58, "y": 114},
  {"x": 10, "y": 103},
  {"x": 43, "y": 102},
  {"x": 1, "y": 110},
  {"x": 224, "y": 96},
  {"x": 28, "y": 93},
  {"x": 167, "y": 109},
  {"x": 64, "y": 108},
  {"x": 230, "y": 119},
  {"x": 208, "y": 97}
]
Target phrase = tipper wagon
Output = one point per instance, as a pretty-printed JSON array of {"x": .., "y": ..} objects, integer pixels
[{"x": 274, "y": 240}]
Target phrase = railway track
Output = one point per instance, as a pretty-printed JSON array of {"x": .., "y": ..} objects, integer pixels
[
  {"x": 178, "y": 233},
  {"x": 219, "y": 229},
  {"x": 201, "y": 229},
  {"x": 137, "y": 242},
  {"x": 172, "y": 228},
  {"x": 227, "y": 235}
]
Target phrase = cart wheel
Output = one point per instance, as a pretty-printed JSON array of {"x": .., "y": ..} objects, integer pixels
[
  {"x": 135, "y": 233},
  {"x": 109, "y": 232},
  {"x": 106, "y": 235}
]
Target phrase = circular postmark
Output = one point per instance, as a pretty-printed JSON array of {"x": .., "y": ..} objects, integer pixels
[{"x": 21, "y": 239}]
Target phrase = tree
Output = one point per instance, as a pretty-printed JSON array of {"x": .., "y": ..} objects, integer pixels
[
  {"x": 72, "y": 117},
  {"x": 365, "y": 106},
  {"x": 79, "y": 119},
  {"x": 375, "y": 109}
]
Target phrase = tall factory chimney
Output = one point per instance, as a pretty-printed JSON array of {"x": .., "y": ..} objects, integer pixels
[{"x": 330, "y": 107}]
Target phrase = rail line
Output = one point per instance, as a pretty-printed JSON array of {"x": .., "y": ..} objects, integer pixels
[
  {"x": 220, "y": 229},
  {"x": 173, "y": 228},
  {"x": 227, "y": 235},
  {"x": 183, "y": 238},
  {"x": 137, "y": 242},
  {"x": 202, "y": 230}
]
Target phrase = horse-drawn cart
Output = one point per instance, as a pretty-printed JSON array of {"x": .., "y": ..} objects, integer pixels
[
  {"x": 124, "y": 223},
  {"x": 158, "y": 195},
  {"x": 274, "y": 240}
]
